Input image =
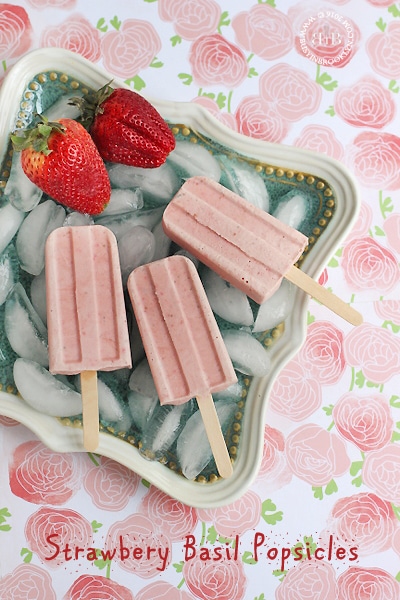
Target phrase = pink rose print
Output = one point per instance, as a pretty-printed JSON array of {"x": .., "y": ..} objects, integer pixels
[
  {"x": 15, "y": 31},
  {"x": 294, "y": 394},
  {"x": 7, "y": 422},
  {"x": 258, "y": 119},
  {"x": 14, "y": 586},
  {"x": 362, "y": 224},
  {"x": 365, "y": 520},
  {"x": 136, "y": 533},
  {"x": 322, "y": 353},
  {"x": 111, "y": 485},
  {"x": 325, "y": 40},
  {"x": 162, "y": 591},
  {"x": 49, "y": 529},
  {"x": 236, "y": 518},
  {"x": 383, "y": 50},
  {"x": 391, "y": 227},
  {"x": 365, "y": 421},
  {"x": 224, "y": 579},
  {"x": 273, "y": 471},
  {"x": 191, "y": 19},
  {"x": 66, "y": 4},
  {"x": 316, "y": 455},
  {"x": 264, "y": 31},
  {"x": 374, "y": 350},
  {"x": 168, "y": 515},
  {"x": 216, "y": 61},
  {"x": 320, "y": 139},
  {"x": 381, "y": 472},
  {"x": 366, "y": 103},
  {"x": 324, "y": 277},
  {"x": 41, "y": 476},
  {"x": 291, "y": 92},
  {"x": 389, "y": 310},
  {"x": 308, "y": 580},
  {"x": 374, "y": 157},
  {"x": 75, "y": 34},
  {"x": 226, "y": 118},
  {"x": 357, "y": 583},
  {"x": 94, "y": 587},
  {"x": 131, "y": 48},
  {"x": 367, "y": 264}
]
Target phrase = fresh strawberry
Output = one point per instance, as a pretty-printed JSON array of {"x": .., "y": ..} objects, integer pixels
[
  {"x": 62, "y": 160},
  {"x": 125, "y": 127}
]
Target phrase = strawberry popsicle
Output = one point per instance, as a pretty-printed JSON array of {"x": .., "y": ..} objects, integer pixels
[
  {"x": 183, "y": 344},
  {"x": 245, "y": 245},
  {"x": 86, "y": 315}
]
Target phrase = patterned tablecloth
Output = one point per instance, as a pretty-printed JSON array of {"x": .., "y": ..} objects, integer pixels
[{"x": 322, "y": 520}]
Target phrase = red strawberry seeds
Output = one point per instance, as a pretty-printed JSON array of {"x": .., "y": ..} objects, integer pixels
[
  {"x": 126, "y": 128},
  {"x": 63, "y": 161}
]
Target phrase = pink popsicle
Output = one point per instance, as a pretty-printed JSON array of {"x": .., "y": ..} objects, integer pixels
[
  {"x": 183, "y": 344},
  {"x": 86, "y": 314},
  {"x": 246, "y": 246}
]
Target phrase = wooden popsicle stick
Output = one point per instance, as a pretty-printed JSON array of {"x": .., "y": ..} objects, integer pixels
[
  {"x": 90, "y": 410},
  {"x": 214, "y": 434},
  {"x": 327, "y": 298}
]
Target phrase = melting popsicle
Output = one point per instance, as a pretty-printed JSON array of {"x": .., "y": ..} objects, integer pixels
[
  {"x": 245, "y": 245},
  {"x": 86, "y": 314},
  {"x": 183, "y": 344}
]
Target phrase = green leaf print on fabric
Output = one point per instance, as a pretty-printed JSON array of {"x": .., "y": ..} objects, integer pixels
[
  {"x": 224, "y": 21},
  {"x": 136, "y": 82},
  {"x": 385, "y": 205},
  {"x": 269, "y": 512},
  {"x": 186, "y": 78},
  {"x": 325, "y": 80}
]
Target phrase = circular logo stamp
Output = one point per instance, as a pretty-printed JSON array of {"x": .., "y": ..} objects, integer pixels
[{"x": 327, "y": 38}]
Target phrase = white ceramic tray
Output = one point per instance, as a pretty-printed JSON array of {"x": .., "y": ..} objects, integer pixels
[{"x": 278, "y": 158}]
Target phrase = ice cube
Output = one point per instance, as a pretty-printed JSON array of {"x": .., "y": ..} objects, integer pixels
[
  {"x": 141, "y": 408},
  {"x": 77, "y": 219},
  {"x": 20, "y": 191},
  {"x": 120, "y": 224},
  {"x": 123, "y": 201},
  {"x": 136, "y": 247},
  {"x": 276, "y": 309},
  {"x": 25, "y": 330},
  {"x": 141, "y": 380},
  {"x": 44, "y": 392},
  {"x": 162, "y": 241},
  {"x": 163, "y": 428},
  {"x": 111, "y": 408},
  {"x": 292, "y": 209},
  {"x": 10, "y": 221},
  {"x": 227, "y": 301},
  {"x": 61, "y": 109},
  {"x": 38, "y": 295},
  {"x": 189, "y": 159},
  {"x": 247, "y": 354},
  {"x": 244, "y": 180},
  {"x": 8, "y": 272},
  {"x": 193, "y": 449},
  {"x": 31, "y": 238},
  {"x": 157, "y": 185}
]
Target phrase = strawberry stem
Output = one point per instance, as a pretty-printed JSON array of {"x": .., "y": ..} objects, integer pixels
[
  {"x": 90, "y": 104},
  {"x": 36, "y": 137}
]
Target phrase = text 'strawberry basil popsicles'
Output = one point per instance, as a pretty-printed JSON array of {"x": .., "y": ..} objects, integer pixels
[
  {"x": 183, "y": 344},
  {"x": 245, "y": 245},
  {"x": 86, "y": 313}
]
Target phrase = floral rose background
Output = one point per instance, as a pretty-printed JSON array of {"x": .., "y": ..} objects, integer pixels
[{"x": 331, "y": 463}]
